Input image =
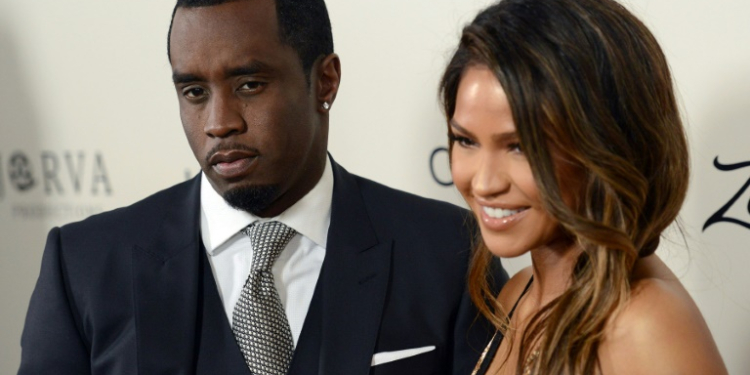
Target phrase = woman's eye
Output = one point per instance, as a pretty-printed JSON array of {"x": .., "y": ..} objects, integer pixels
[
  {"x": 515, "y": 147},
  {"x": 462, "y": 141}
]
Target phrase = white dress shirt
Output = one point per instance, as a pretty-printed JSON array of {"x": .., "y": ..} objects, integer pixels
[{"x": 298, "y": 267}]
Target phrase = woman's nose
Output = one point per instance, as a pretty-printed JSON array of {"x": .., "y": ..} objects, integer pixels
[{"x": 491, "y": 177}]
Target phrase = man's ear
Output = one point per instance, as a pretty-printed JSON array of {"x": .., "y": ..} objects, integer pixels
[{"x": 327, "y": 85}]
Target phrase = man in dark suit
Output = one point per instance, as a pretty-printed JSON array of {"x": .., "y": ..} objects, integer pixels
[{"x": 370, "y": 280}]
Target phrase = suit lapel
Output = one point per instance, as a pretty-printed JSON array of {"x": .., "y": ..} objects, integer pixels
[
  {"x": 355, "y": 278},
  {"x": 166, "y": 283}
]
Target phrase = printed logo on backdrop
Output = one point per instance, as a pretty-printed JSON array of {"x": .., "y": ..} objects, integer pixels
[
  {"x": 55, "y": 177},
  {"x": 440, "y": 167},
  {"x": 722, "y": 215}
]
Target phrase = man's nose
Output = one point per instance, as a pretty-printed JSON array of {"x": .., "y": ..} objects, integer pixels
[{"x": 224, "y": 117}]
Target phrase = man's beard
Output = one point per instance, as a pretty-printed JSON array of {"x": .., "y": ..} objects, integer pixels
[{"x": 253, "y": 199}]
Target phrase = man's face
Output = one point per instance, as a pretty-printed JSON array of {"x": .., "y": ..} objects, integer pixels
[{"x": 252, "y": 122}]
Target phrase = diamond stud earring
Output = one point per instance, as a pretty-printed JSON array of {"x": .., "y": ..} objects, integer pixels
[{"x": 326, "y": 106}]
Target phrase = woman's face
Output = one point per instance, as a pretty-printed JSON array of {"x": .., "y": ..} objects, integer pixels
[{"x": 491, "y": 171}]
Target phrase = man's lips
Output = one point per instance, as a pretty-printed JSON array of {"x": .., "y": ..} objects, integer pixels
[{"x": 233, "y": 163}]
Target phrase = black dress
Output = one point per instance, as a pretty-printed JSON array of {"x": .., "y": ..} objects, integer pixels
[{"x": 491, "y": 350}]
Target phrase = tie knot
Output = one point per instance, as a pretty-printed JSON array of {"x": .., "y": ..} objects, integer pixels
[{"x": 268, "y": 240}]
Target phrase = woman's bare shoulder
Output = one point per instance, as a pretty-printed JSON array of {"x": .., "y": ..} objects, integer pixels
[
  {"x": 513, "y": 288},
  {"x": 660, "y": 330}
]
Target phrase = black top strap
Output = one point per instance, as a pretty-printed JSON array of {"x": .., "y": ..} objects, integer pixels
[
  {"x": 525, "y": 289},
  {"x": 497, "y": 338}
]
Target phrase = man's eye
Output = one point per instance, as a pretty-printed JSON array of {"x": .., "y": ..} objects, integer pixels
[
  {"x": 252, "y": 86},
  {"x": 193, "y": 92}
]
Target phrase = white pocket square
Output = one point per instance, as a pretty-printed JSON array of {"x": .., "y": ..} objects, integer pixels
[{"x": 385, "y": 357}]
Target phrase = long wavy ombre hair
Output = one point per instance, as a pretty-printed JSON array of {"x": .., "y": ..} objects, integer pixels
[{"x": 587, "y": 83}]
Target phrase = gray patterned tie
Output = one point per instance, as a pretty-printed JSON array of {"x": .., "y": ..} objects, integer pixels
[{"x": 258, "y": 320}]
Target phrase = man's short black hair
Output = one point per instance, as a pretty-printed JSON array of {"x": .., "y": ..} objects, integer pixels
[{"x": 303, "y": 24}]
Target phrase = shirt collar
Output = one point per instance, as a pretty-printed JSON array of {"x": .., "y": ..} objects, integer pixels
[{"x": 310, "y": 216}]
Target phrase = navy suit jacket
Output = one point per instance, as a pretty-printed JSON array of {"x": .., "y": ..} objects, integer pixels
[{"x": 130, "y": 291}]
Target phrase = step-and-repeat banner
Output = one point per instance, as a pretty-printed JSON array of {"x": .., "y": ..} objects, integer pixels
[{"x": 89, "y": 122}]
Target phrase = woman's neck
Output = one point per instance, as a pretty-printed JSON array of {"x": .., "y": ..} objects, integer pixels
[{"x": 552, "y": 267}]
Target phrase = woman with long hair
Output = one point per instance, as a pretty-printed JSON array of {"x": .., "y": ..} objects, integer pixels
[{"x": 566, "y": 143}]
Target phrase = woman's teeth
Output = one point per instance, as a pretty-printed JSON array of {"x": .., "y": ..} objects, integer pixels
[{"x": 499, "y": 213}]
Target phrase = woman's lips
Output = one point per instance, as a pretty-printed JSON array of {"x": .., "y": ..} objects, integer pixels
[{"x": 501, "y": 219}]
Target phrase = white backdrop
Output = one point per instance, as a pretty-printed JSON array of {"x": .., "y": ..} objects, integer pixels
[{"x": 89, "y": 122}]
